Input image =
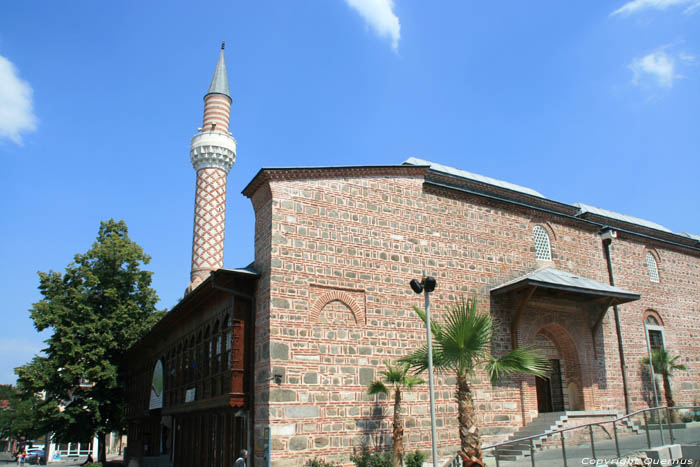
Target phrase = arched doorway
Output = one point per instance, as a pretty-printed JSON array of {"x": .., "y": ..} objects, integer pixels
[{"x": 562, "y": 390}]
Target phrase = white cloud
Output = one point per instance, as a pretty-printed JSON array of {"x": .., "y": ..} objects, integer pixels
[
  {"x": 635, "y": 6},
  {"x": 379, "y": 14},
  {"x": 659, "y": 66},
  {"x": 16, "y": 108}
]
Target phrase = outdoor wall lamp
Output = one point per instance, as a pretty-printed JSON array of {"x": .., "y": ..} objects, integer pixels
[{"x": 428, "y": 283}]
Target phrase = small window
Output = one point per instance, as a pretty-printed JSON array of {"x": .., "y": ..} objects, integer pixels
[
  {"x": 656, "y": 339},
  {"x": 542, "y": 248},
  {"x": 651, "y": 266},
  {"x": 655, "y": 330}
]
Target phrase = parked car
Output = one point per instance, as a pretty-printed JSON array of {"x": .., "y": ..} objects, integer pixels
[{"x": 35, "y": 456}]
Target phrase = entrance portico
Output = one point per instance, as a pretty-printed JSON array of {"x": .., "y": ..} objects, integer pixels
[{"x": 561, "y": 313}]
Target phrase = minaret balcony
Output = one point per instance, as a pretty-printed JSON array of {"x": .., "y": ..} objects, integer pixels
[{"x": 213, "y": 149}]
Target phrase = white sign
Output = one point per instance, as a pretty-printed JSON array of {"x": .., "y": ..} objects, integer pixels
[
  {"x": 190, "y": 394},
  {"x": 156, "y": 401}
]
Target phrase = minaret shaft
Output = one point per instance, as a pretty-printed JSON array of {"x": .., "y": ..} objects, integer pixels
[
  {"x": 209, "y": 223},
  {"x": 213, "y": 153}
]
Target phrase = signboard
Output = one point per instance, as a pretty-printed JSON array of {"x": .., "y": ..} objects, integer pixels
[
  {"x": 190, "y": 394},
  {"x": 156, "y": 401}
]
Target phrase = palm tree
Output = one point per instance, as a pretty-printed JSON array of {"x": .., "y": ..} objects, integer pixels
[
  {"x": 397, "y": 377},
  {"x": 461, "y": 346},
  {"x": 665, "y": 365}
]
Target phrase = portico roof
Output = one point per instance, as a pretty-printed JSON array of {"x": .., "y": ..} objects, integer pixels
[{"x": 555, "y": 279}]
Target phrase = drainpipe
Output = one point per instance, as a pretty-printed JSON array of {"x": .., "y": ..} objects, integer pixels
[{"x": 607, "y": 234}]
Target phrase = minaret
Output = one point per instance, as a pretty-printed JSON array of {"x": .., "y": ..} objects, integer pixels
[{"x": 213, "y": 153}]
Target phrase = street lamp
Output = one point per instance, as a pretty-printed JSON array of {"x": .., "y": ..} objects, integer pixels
[{"x": 428, "y": 284}]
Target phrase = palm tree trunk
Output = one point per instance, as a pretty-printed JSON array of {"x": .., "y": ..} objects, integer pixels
[
  {"x": 675, "y": 418},
  {"x": 398, "y": 427},
  {"x": 470, "y": 440}
]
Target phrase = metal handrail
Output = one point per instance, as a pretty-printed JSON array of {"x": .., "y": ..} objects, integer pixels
[
  {"x": 553, "y": 432},
  {"x": 623, "y": 419},
  {"x": 456, "y": 460}
]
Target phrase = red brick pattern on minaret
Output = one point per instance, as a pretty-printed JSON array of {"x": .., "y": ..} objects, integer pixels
[
  {"x": 217, "y": 110},
  {"x": 209, "y": 224}
]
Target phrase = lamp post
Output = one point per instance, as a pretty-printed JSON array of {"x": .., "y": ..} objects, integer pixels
[{"x": 428, "y": 284}]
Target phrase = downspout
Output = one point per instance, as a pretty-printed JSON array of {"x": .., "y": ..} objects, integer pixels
[{"x": 607, "y": 235}]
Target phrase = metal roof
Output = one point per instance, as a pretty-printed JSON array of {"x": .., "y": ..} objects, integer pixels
[
  {"x": 584, "y": 208},
  {"x": 556, "y": 279},
  {"x": 472, "y": 176},
  {"x": 689, "y": 235},
  {"x": 219, "y": 82}
]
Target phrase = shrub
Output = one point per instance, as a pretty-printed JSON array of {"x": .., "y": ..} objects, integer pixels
[
  {"x": 367, "y": 459},
  {"x": 414, "y": 459},
  {"x": 317, "y": 462}
]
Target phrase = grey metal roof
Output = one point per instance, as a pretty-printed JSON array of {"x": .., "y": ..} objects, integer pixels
[
  {"x": 472, "y": 176},
  {"x": 584, "y": 208},
  {"x": 689, "y": 235},
  {"x": 556, "y": 279},
  {"x": 219, "y": 82}
]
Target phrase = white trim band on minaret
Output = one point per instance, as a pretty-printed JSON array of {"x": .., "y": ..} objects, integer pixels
[{"x": 213, "y": 149}]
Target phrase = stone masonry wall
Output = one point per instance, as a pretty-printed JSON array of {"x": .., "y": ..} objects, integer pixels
[{"x": 336, "y": 256}]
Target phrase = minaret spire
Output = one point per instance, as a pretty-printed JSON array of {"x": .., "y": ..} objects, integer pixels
[
  {"x": 213, "y": 153},
  {"x": 219, "y": 82}
]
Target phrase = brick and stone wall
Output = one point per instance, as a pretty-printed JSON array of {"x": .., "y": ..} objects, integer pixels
[{"x": 336, "y": 253}]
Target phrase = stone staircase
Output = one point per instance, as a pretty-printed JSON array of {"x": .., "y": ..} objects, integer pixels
[
  {"x": 545, "y": 423},
  {"x": 156, "y": 461}
]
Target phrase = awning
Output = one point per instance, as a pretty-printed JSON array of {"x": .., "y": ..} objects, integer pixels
[
  {"x": 554, "y": 283},
  {"x": 554, "y": 279}
]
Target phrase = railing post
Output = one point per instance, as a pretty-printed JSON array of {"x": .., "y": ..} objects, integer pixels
[
  {"x": 661, "y": 427},
  {"x": 670, "y": 423},
  {"x": 495, "y": 455},
  {"x": 532, "y": 453},
  {"x": 617, "y": 443},
  {"x": 590, "y": 431},
  {"x": 563, "y": 449},
  {"x": 646, "y": 428}
]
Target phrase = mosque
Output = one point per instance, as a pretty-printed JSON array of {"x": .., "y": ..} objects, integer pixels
[{"x": 275, "y": 357}]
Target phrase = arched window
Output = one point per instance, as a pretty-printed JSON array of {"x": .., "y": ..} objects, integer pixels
[
  {"x": 652, "y": 267},
  {"x": 655, "y": 329},
  {"x": 542, "y": 248}
]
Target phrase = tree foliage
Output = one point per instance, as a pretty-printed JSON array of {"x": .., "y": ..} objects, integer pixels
[
  {"x": 96, "y": 309},
  {"x": 17, "y": 416}
]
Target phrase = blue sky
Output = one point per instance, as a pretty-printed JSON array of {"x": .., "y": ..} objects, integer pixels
[{"x": 593, "y": 102}]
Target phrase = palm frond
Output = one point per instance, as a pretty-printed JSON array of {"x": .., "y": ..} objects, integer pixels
[
  {"x": 519, "y": 360},
  {"x": 434, "y": 324},
  {"x": 377, "y": 387},
  {"x": 418, "y": 359},
  {"x": 411, "y": 381},
  {"x": 664, "y": 363},
  {"x": 394, "y": 374},
  {"x": 466, "y": 335}
]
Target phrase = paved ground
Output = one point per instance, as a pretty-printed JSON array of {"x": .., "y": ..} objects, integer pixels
[
  {"x": 6, "y": 460},
  {"x": 605, "y": 449}
]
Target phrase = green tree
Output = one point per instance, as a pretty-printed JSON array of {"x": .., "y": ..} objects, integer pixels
[
  {"x": 461, "y": 346},
  {"x": 665, "y": 365},
  {"x": 17, "y": 417},
  {"x": 397, "y": 377},
  {"x": 96, "y": 310}
]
